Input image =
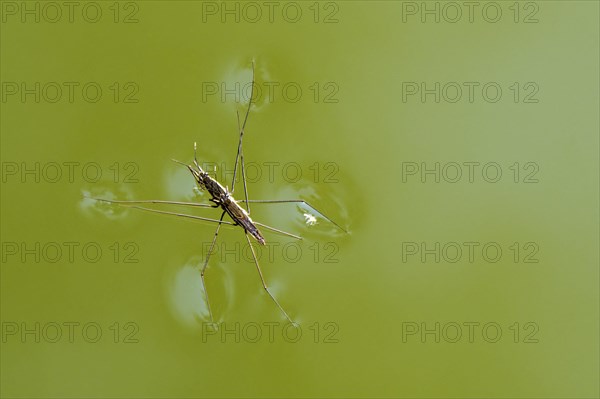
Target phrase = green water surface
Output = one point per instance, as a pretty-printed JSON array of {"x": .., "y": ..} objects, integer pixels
[{"x": 385, "y": 119}]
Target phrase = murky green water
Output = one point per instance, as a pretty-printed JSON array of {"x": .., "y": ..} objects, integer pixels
[{"x": 461, "y": 156}]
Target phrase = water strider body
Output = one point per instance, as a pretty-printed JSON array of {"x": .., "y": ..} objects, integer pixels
[{"x": 223, "y": 198}]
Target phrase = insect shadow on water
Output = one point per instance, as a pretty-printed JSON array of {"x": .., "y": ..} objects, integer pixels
[{"x": 222, "y": 198}]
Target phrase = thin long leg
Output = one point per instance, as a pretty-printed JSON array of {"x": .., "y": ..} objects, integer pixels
[
  {"x": 153, "y": 202},
  {"x": 264, "y": 284},
  {"x": 239, "y": 149},
  {"x": 212, "y": 246},
  {"x": 285, "y": 233},
  {"x": 243, "y": 166},
  {"x": 297, "y": 201},
  {"x": 183, "y": 215}
]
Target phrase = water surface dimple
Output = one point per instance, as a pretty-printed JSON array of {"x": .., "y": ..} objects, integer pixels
[
  {"x": 187, "y": 298},
  {"x": 90, "y": 205}
]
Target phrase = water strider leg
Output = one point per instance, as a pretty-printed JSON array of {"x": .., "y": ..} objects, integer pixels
[
  {"x": 153, "y": 202},
  {"x": 264, "y": 284},
  {"x": 285, "y": 233},
  {"x": 297, "y": 201},
  {"x": 183, "y": 215},
  {"x": 241, "y": 152},
  {"x": 239, "y": 149},
  {"x": 212, "y": 246}
]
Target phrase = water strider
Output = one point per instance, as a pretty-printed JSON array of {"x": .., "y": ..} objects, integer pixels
[{"x": 222, "y": 198}]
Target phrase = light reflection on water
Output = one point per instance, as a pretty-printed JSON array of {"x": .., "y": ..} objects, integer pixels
[
  {"x": 89, "y": 206},
  {"x": 186, "y": 296},
  {"x": 179, "y": 184},
  {"x": 303, "y": 219},
  {"x": 239, "y": 76}
]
